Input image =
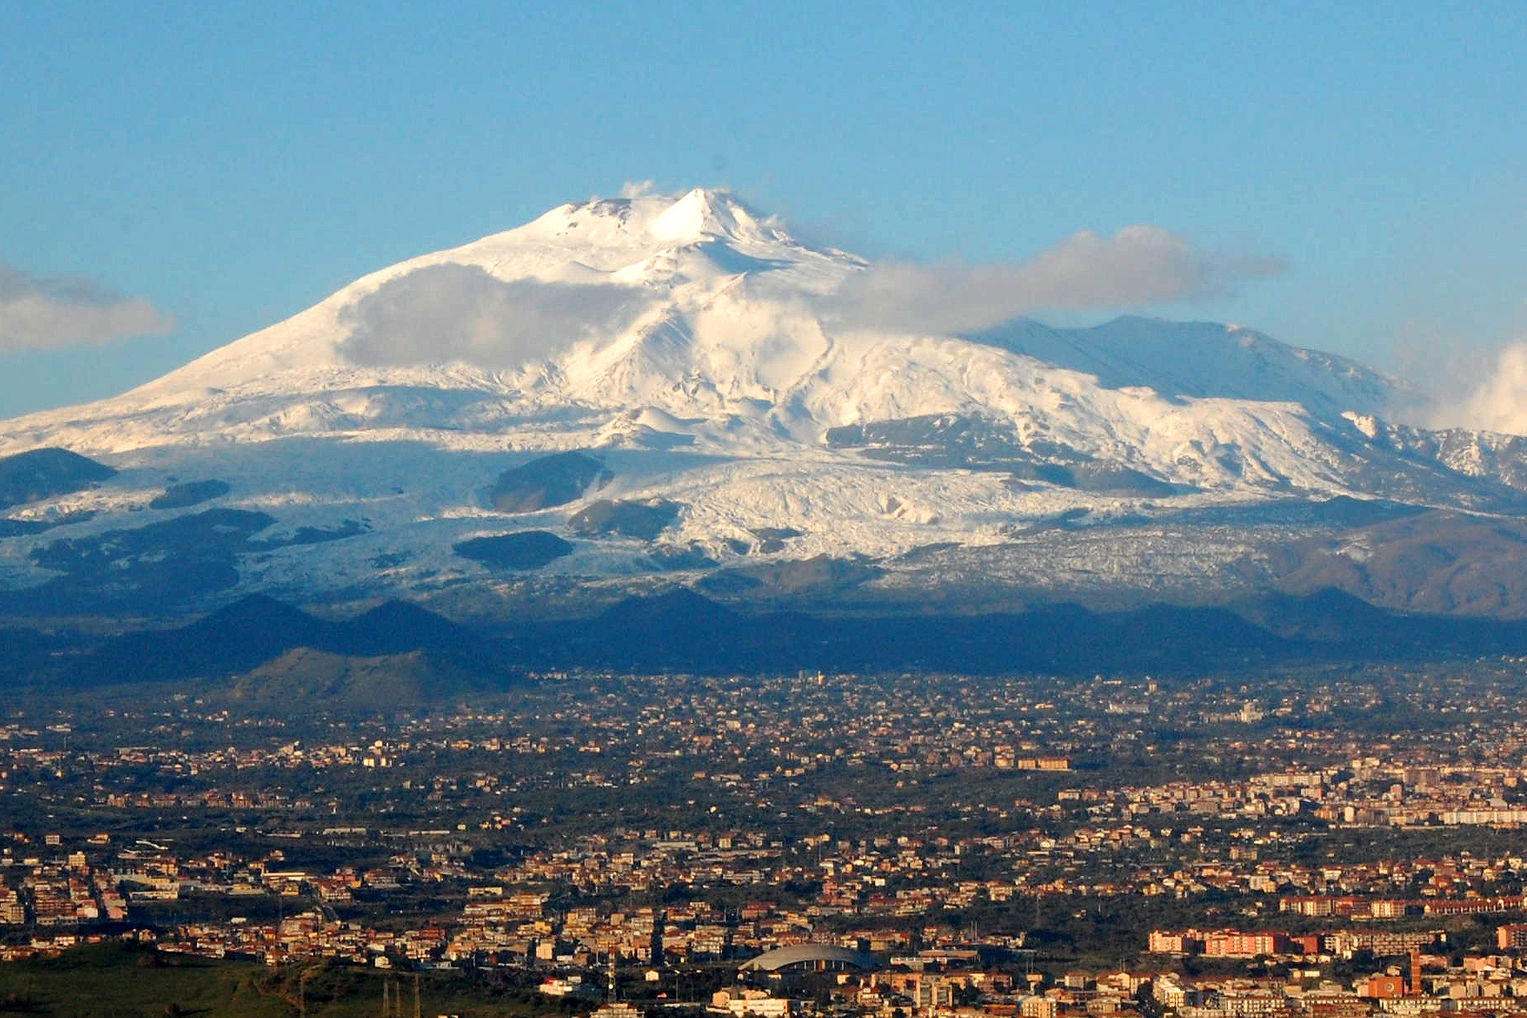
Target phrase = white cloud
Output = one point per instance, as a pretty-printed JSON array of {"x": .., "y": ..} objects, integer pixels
[
  {"x": 40, "y": 312},
  {"x": 1495, "y": 402},
  {"x": 459, "y": 312},
  {"x": 1138, "y": 265},
  {"x": 637, "y": 188}
]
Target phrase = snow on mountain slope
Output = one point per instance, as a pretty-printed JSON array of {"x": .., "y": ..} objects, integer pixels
[
  {"x": 1202, "y": 359},
  {"x": 680, "y": 339},
  {"x": 693, "y": 305}
]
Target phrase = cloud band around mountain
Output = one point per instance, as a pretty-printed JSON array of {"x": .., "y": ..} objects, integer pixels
[
  {"x": 42, "y": 312},
  {"x": 455, "y": 312},
  {"x": 1495, "y": 396},
  {"x": 1138, "y": 265}
]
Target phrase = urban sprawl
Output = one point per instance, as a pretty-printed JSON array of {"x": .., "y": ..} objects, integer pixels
[{"x": 1330, "y": 843}]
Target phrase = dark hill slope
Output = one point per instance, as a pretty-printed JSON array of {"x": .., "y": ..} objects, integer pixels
[
  {"x": 257, "y": 629},
  {"x": 304, "y": 679},
  {"x": 682, "y": 630},
  {"x": 43, "y": 473},
  {"x": 405, "y": 655}
]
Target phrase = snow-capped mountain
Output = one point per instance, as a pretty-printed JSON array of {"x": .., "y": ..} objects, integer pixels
[{"x": 623, "y": 389}]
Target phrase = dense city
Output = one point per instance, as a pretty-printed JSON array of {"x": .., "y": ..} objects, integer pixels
[{"x": 1331, "y": 842}]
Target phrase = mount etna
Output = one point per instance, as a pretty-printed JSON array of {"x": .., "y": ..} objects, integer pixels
[{"x": 652, "y": 432}]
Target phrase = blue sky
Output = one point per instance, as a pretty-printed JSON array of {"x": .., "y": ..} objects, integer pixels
[{"x": 218, "y": 167}]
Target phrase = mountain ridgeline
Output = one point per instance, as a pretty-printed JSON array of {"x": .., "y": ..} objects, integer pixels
[
  {"x": 629, "y": 397},
  {"x": 273, "y": 657}
]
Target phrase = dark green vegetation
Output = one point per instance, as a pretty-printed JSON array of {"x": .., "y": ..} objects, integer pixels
[
  {"x": 21, "y": 528},
  {"x": 527, "y": 549},
  {"x": 158, "y": 567},
  {"x": 163, "y": 563},
  {"x": 189, "y": 493},
  {"x": 117, "y": 980},
  {"x": 546, "y": 482},
  {"x": 43, "y": 473}
]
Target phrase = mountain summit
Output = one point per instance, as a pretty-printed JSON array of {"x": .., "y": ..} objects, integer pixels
[{"x": 650, "y": 389}]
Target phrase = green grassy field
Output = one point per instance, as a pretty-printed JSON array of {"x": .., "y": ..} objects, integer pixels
[{"x": 126, "y": 981}]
